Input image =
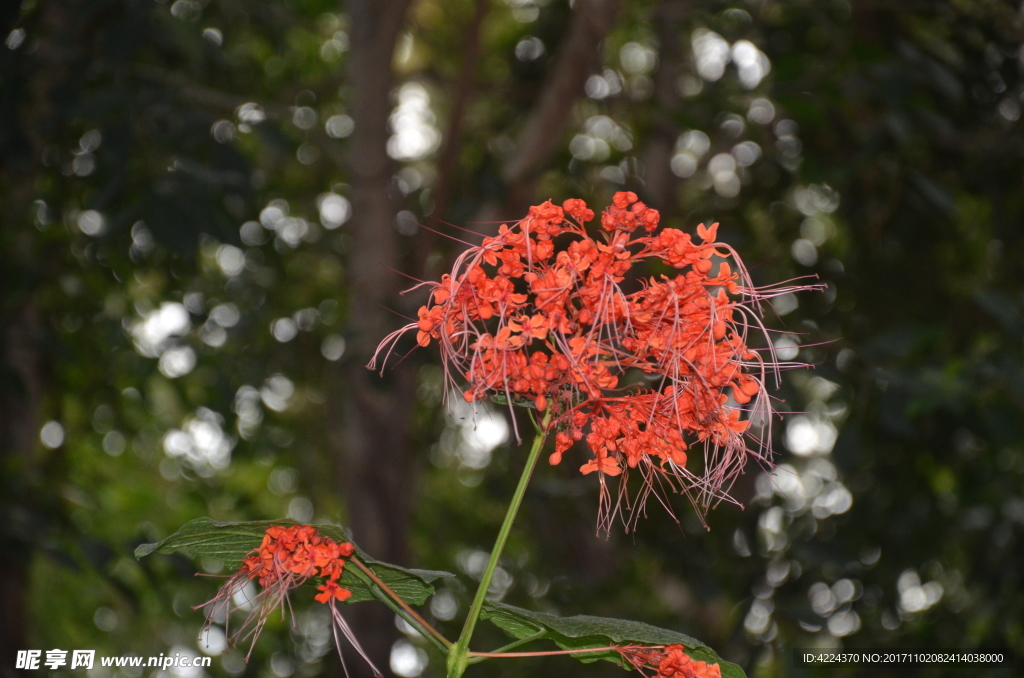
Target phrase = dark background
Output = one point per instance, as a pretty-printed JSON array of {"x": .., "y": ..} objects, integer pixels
[{"x": 209, "y": 208}]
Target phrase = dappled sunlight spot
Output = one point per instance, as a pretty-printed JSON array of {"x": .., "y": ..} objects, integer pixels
[
  {"x": 105, "y": 619},
  {"x": 212, "y": 334},
  {"x": 844, "y": 623},
  {"x": 833, "y": 500},
  {"x": 201, "y": 443},
  {"x": 406, "y": 223},
  {"x": 771, "y": 527},
  {"x": 250, "y": 414},
  {"x": 474, "y": 431},
  {"x": 759, "y": 617},
  {"x": 114, "y": 443},
  {"x": 291, "y": 231},
  {"x": 153, "y": 332},
  {"x": 252, "y": 234},
  {"x": 817, "y": 229},
  {"x": 785, "y": 304},
  {"x": 637, "y": 59},
  {"x": 277, "y": 392},
  {"x": 414, "y": 135},
  {"x": 746, "y": 153},
  {"x": 15, "y": 39},
  {"x": 231, "y": 260},
  {"x": 313, "y": 631},
  {"x": 283, "y": 480},
  {"x": 711, "y": 52},
  {"x": 815, "y": 199},
  {"x": 788, "y": 146},
  {"x": 601, "y": 134},
  {"x": 177, "y": 362},
  {"x": 804, "y": 252},
  {"x": 300, "y": 509},
  {"x": 529, "y": 48},
  {"x": 407, "y": 660},
  {"x": 723, "y": 171},
  {"x": 524, "y": 11},
  {"x": 915, "y": 596},
  {"x": 473, "y": 562},
  {"x": 249, "y": 114},
  {"x": 690, "y": 148},
  {"x": 339, "y": 126},
  {"x": 501, "y": 582},
  {"x": 52, "y": 434},
  {"x": 212, "y": 640},
  {"x": 815, "y": 488},
  {"x": 786, "y": 347},
  {"x": 182, "y": 671},
  {"x": 281, "y": 666},
  {"x": 304, "y": 117},
  {"x": 603, "y": 86},
  {"x": 213, "y": 36},
  {"x": 307, "y": 153},
  {"x": 223, "y": 131},
  {"x": 333, "y": 347},
  {"x": 284, "y": 329},
  {"x": 444, "y": 605},
  {"x": 808, "y": 435},
  {"x": 91, "y": 223},
  {"x": 752, "y": 63},
  {"x": 225, "y": 315},
  {"x": 332, "y": 49},
  {"x": 335, "y": 209},
  {"x": 761, "y": 111}
]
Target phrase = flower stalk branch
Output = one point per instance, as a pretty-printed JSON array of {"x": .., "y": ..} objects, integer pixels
[
  {"x": 552, "y": 653},
  {"x": 396, "y": 603},
  {"x": 479, "y": 656}
]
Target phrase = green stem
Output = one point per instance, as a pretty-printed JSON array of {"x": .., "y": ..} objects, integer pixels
[
  {"x": 475, "y": 656},
  {"x": 542, "y": 653},
  {"x": 383, "y": 593},
  {"x": 458, "y": 658},
  {"x": 423, "y": 630}
]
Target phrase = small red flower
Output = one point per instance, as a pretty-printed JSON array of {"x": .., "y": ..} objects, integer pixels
[
  {"x": 285, "y": 560},
  {"x": 670, "y": 661},
  {"x": 678, "y": 664}
]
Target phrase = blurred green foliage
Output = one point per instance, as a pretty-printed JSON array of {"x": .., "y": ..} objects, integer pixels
[{"x": 176, "y": 193}]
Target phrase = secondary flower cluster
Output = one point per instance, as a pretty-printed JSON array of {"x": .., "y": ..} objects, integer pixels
[
  {"x": 548, "y": 314},
  {"x": 678, "y": 664},
  {"x": 287, "y": 558},
  {"x": 669, "y": 662}
]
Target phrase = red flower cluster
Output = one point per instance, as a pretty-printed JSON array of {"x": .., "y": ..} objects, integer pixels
[
  {"x": 286, "y": 559},
  {"x": 541, "y": 314},
  {"x": 678, "y": 664},
  {"x": 669, "y": 662},
  {"x": 289, "y": 556}
]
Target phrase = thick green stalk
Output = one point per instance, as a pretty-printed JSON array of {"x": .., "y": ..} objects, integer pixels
[{"x": 458, "y": 657}]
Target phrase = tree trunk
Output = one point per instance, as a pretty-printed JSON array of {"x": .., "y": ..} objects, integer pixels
[
  {"x": 22, "y": 370},
  {"x": 578, "y": 59},
  {"x": 371, "y": 416},
  {"x": 660, "y": 184}
]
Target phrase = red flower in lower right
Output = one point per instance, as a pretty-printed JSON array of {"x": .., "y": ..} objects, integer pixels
[
  {"x": 669, "y": 662},
  {"x": 678, "y": 664}
]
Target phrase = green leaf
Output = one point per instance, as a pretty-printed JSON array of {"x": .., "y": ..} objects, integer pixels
[
  {"x": 232, "y": 542},
  {"x": 518, "y": 401},
  {"x": 584, "y": 631}
]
